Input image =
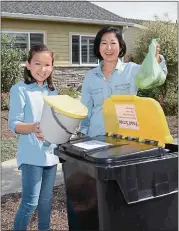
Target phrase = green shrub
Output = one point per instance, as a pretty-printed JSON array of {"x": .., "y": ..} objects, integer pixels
[
  {"x": 171, "y": 107},
  {"x": 11, "y": 58},
  {"x": 69, "y": 91},
  {"x": 167, "y": 33},
  {"x": 171, "y": 100},
  {"x": 4, "y": 101}
]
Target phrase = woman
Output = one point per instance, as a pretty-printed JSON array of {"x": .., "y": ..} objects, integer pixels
[{"x": 111, "y": 77}]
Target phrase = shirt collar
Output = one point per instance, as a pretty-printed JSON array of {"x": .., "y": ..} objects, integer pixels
[
  {"x": 33, "y": 85},
  {"x": 119, "y": 66}
]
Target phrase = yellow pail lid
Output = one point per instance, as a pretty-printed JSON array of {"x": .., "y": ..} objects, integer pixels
[{"x": 67, "y": 105}]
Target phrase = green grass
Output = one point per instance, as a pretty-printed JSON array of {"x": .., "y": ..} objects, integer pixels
[{"x": 8, "y": 148}]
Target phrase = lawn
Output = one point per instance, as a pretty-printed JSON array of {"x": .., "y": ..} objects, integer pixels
[
  {"x": 8, "y": 148},
  {"x": 8, "y": 140}
]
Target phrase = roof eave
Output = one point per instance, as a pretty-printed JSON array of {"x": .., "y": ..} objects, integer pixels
[
  {"x": 139, "y": 26},
  {"x": 63, "y": 19}
]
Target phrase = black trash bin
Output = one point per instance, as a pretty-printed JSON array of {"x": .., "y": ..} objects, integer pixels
[{"x": 120, "y": 185}]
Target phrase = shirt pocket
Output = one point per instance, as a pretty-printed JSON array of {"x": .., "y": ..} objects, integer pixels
[
  {"x": 122, "y": 89},
  {"x": 97, "y": 95}
]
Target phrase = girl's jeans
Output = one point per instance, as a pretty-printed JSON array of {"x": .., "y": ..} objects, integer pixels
[{"x": 37, "y": 186}]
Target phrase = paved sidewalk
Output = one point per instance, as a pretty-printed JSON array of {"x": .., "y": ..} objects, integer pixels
[{"x": 11, "y": 177}]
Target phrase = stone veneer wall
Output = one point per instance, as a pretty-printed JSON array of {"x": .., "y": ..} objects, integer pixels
[{"x": 69, "y": 77}]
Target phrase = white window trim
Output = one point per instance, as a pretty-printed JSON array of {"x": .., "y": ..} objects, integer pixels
[
  {"x": 70, "y": 50},
  {"x": 28, "y": 33}
]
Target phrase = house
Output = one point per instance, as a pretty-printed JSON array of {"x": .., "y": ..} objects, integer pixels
[
  {"x": 130, "y": 35},
  {"x": 68, "y": 28}
]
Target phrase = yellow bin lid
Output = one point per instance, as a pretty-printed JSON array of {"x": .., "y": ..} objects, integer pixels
[
  {"x": 133, "y": 116},
  {"x": 67, "y": 105}
]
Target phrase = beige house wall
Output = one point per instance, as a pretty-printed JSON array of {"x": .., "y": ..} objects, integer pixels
[
  {"x": 57, "y": 34},
  {"x": 129, "y": 37}
]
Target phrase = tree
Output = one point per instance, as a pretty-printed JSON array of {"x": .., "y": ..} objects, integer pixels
[
  {"x": 166, "y": 31},
  {"x": 11, "y": 58}
]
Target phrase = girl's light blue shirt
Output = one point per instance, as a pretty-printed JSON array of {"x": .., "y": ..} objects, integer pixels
[
  {"x": 26, "y": 104},
  {"x": 96, "y": 89}
]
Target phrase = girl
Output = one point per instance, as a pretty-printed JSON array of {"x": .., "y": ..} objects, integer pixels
[
  {"x": 111, "y": 77},
  {"x": 35, "y": 157}
]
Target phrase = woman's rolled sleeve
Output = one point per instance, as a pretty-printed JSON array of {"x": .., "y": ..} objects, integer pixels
[
  {"x": 16, "y": 107},
  {"x": 163, "y": 65}
]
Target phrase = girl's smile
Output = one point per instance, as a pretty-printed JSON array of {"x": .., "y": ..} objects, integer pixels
[{"x": 40, "y": 66}]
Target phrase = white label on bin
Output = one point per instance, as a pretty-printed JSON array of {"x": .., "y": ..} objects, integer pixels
[
  {"x": 91, "y": 144},
  {"x": 126, "y": 115}
]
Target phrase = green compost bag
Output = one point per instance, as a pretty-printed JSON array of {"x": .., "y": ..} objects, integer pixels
[{"x": 150, "y": 73}]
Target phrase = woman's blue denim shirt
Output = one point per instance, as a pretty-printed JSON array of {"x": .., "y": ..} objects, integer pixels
[
  {"x": 26, "y": 103},
  {"x": 96, "y": 89}
]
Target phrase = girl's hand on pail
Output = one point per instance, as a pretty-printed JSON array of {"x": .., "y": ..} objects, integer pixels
[{"x": 38, "y": 132}]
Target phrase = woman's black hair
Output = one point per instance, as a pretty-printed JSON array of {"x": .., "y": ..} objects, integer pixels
[
  {"x": 109, "y": 29},
  {"x": 28, "y": 78}
]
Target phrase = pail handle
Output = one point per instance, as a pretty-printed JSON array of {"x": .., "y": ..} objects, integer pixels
[{"x": 58, "y": 122}]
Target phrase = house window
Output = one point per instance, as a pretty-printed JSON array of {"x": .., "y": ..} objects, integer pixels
[
  {"x": 82, "y": 50},
  {"x": 25, "y": 40}
]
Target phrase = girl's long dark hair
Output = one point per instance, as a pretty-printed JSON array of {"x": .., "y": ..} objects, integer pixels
[{"x": 28, "y": 78}]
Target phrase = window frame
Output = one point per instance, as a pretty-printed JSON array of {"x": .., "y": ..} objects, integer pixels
[
  {"x": 28, "y": 33},
  {"x": 70, "y": 50}
]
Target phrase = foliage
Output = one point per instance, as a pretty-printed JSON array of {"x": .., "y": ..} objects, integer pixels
[
  {"x": 8, "y": 148},
  {"x": 170, "y": 100},
  {"x": 70, "y": 91},
  {"x": 4, "y": 101},
  {"x": 11, "y": 58},
  {"x": 167, "y": 33}
]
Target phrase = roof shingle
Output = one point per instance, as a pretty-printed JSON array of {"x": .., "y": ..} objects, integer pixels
[{"x": 71, "y": 9}]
